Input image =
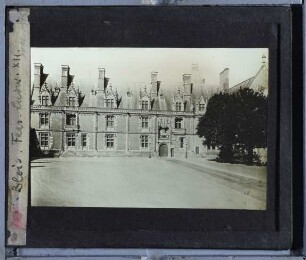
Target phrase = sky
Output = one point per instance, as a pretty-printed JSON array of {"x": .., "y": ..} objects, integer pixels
[{"x": 131, "y": 67}]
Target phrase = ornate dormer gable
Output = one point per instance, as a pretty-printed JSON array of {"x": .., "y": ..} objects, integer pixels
[
  {"x": 144, "y": 99},
  {"x": 45, "y": 95},
  {"x": 111, "y": 97},
  {"x": 201, "y": 105},
  {"x": 72, "y": 96},
  {"x": 178, "y": 103}
]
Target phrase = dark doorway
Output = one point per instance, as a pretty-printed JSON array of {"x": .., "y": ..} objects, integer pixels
[
  {"x": 172, "y": 152},
  {"x": 163, "y": 150}
]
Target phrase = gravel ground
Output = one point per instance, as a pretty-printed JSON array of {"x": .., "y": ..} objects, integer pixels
[{"x": 142, "y": 182}]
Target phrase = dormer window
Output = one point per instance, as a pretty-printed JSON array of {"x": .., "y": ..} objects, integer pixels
[
  {"x": 178, "y": 106},
  {"x": 144, "y": 105},
  {"x": 110, "y": 103},
  {"x": 201, "y": 107},
  {"x": 71, "y": 101},
  {"x": 44, "y": 100}
]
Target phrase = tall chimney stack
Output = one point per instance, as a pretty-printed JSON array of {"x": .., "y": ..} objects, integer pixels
[
  {"x": 65, "y": 75},
  {"x": 224, "y": 80},
  {"x": 101, "y": 79},
  {"x": 38, "y": 72},
  {"x": 187, "y": 84},
  {"x": 154, "y": 86}
]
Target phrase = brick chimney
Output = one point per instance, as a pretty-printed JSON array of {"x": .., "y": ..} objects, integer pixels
[
  {"x": 154, "y": 84},
  {"x": 224, "y": 80},
  {"x": 65, "y": 75},
  {"x": 101, "y": 79},
  {"x": 187, "y": 84}
]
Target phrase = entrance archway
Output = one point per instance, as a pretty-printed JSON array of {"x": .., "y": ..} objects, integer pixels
[{"x": 163, "y": 150}]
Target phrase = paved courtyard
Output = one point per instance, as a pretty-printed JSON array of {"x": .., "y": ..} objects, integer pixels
[{"x": 146, "y": 182}]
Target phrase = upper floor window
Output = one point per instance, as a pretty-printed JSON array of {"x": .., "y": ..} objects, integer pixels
[
  {"x": 110, "y": 103},
  {"x": 110, "y": 140},
  {"x": 110, "y": 121},
  {"x": 182, "y": 142},
  {"x": 71, "y": 139},
  {"x": 44, "y": 100},
  {"x": 71, "y": 119},
  {"x": 144, "y": 122},
  {"x": 71, "y": 101},
  {"x": 178, "y": 122},
  {"x": 144, "y": 141},
  {"x": 144, "y": 105},
  {"x": 201, "y": 107},
  {"x": 178, "y": 106},
  {"x": 44, "y": 139},
  {"x": 84, "y": 140},
  {"x": 44, "y": 119}
]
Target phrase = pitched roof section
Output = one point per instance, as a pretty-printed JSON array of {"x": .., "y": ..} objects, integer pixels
[{"x": 259, "y": 82}]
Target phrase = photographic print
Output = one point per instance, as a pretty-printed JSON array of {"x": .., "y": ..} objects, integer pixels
[{"x": 149, "y": 127}]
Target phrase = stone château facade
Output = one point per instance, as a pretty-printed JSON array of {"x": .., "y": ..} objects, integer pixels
[{"x": 149, "y": 122}]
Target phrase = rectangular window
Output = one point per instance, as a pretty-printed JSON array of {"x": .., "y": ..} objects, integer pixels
[
  {"x": 197, "y": 150},
  {"x": 144, "y": 141},
  {"x": 44, "y": 119},
  {"x": 110, "y": 121},
  {"x": 201, "y": 107},
  {"x": 44, "y": 100},
  {"x": 109, "y": 140},
  {"x": 182, "y": 142},
  {"x": 71, "y": 119},
  {"x": 178, "y": 106},
  {"x": 144, "y": 105},
  {"x": 110, "y": 103},
  {"x": 71, "y": 101},
  {"x": 145, "y": 122},
  {"x": 71, "y": 140},
  {"x": 44, "y": 139},
  {"x": 84, "y": 140},
  {"x": 178, "y": 123}
]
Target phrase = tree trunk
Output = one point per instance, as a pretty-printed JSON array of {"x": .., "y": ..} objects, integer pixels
[{"x": 250, "y": 155}]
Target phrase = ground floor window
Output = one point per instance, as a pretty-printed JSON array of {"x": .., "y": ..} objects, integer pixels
[
  {"x": 71, "y": 140},
  {"x": 144, "y": 141},
  {"x": 44, "y": 140},
  {"x": 197, "y": 150},
  {"x": 84, "y": 140},
  {"x": 110, "y": 140}
]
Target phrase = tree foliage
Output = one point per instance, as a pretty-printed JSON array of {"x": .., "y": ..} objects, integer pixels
[{"x": 236, "y": 124}]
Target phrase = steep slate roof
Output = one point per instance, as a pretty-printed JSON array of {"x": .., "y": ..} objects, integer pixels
[{"x": 247, "y": 83}]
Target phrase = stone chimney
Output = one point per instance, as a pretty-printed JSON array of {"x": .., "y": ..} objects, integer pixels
[
  {"x": 101, "y": 79},
  {"x": 224, "y": 80},
  {"x": 38, "y": 78},
  {"x": 154, "y": 84},
  {"x": 65, "y": 75},
  {"x": 38, "y": 72},
  {"x": 187, "y": 84}
]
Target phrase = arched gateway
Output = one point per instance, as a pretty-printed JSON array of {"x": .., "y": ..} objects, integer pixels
[{"x": 163, "y": 150}]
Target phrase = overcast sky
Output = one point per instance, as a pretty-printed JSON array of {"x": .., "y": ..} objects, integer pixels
[{"x": 128, "y": 67}]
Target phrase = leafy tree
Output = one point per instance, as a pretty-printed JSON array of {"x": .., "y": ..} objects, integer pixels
[
  {"x": 235, "y": 123},
  {"x": 251, "y": 118}
]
